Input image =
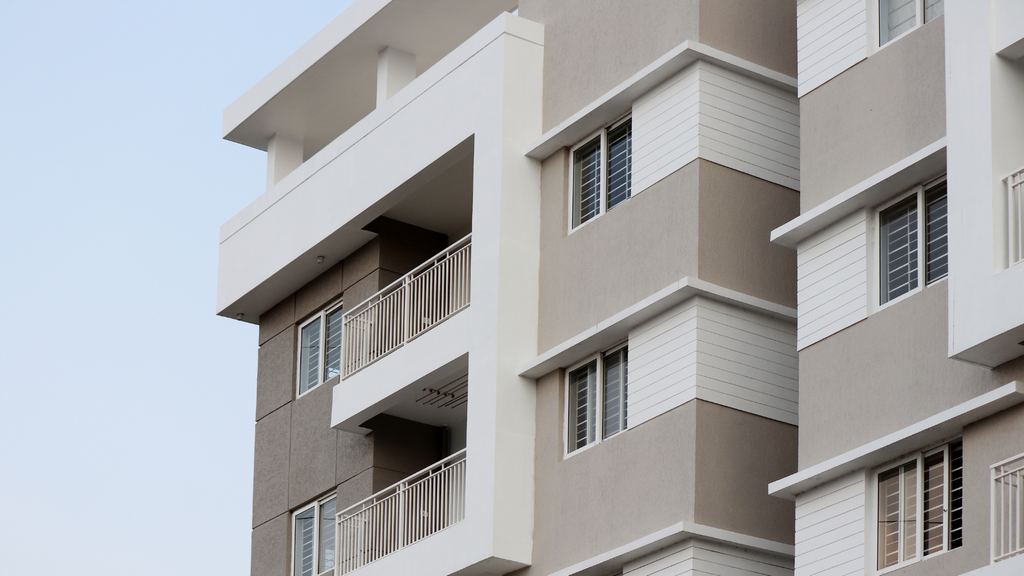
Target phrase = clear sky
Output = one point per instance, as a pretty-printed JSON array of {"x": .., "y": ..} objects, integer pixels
[{"x": 126, "y": 405}]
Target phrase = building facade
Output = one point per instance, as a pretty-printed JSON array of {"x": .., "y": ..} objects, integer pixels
[
  {"x": 911, "y": 314},
  {"x": 533, "y": 281}
]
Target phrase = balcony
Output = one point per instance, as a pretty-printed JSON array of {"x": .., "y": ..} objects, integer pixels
[
  {"x": 403, "y": 514},
  {"x": 1008, "y": 508},
  {"x": 425, "y": 297}
]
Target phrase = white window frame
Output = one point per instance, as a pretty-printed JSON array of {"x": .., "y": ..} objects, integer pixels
[
  {"x": 317, "y": 519},
  {"x": 322, "y": 372},
  {"x": 875, "y": 22},
  {"x": 875, "y": 275},
  {"x": 602, "y": 191},
  {"x": 872, "y": 503},
  {"x": 599, "y": 414}
]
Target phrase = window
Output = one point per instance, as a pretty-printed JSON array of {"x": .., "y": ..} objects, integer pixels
[
  {"x": 313, "y": 538},
  {"x": 596, "y": 399},
  {"x": 903, "y": 235},
  {"x": 897, "y": 17},
  {"x": 318, "y": 363},
  {"x": 920, "y": 506},
  {"x": 601, "y": 169}
]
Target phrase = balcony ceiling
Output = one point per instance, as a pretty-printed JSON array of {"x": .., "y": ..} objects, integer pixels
[{"x": 330, "y": 83}]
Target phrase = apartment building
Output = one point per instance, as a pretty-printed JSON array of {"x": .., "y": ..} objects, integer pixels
[
  {"x": 519, "y": 308},
  {"x": 910, "y": 293}
]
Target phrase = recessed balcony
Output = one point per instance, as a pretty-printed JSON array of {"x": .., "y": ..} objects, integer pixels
[
  {"x": 415, "y": 303},
  {"x": 402, "y": 514}
]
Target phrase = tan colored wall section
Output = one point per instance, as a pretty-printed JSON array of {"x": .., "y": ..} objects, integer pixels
[
  {"x": 619, "y": 258},
  {"x": 873, "y": 115},
  {"x": 634, "y": 483},
  {"x": 737, "y": 215},
  {"x": 591, "y": 46},
  {"x": 738, "y": 455},
  {"x": 763, "y": 32},
  {"x": 885, "y": 373}
]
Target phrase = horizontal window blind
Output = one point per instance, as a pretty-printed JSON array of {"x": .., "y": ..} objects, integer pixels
[
  {"x": 309, "y": 356},
  {"x": 936, "y": 238},
  {"x": 620, "y": 159},
  {"x": 586, "y": 182},
  {"x": 894, "y": 18},
  {"x": 956, "y": 495},
  {"x": 332, "y": 359},
  {"x": 898, "y": 256}
]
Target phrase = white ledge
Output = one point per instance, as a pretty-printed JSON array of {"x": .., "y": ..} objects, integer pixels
[
  {"x": 614, "y": 328},
  {"x": 620, "y": 99},
  {"x": 926, "y": 162},
  {"x": 608, "y": 562},
  {"x": 909, "y": 439}
]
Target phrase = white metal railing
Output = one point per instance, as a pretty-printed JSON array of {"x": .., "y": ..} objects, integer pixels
[
  {"x": 408, "y": 307},
  {"x": 422, "y": 504},
  {"x": 1015, "y": 216},
  {"x": 1008, "y": 508}
]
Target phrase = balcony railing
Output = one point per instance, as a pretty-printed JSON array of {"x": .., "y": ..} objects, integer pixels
[
  {"x": 422, "y": 504},
  {"x": 408, "y": 307},
  {"x": 1015, "y": 216},
  {"x": 1008, "y": 508}
]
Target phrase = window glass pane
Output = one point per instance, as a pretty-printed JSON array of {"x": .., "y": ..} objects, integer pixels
[
  {"x": 614, "y": 392},
  {"x": 936, "y": 247},
  {"x": 620, "y": 160},
  {"x": 327, "y": 524},
  {"x": 909, "y": 509},
  {"x": 894, "y": 18},
  {"x": 586, "y": 182},
  {"x": 933, "y": 9},
  {"x": 956, "y": 495},
  {"x": 309, "y": 356},
  {"x": 888, "y": 518},
  {"x": 303, "y": 545},
  {"x": 934, "y": 501},
  {"x": 898, "y": 250},
  {"x": 332, "y": 357},
  {"x": 582, "y": 405}
]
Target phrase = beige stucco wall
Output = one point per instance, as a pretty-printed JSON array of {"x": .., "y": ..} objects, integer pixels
[
  {"x": 699, "y": 462},
  {"x": 703, "y": 221},
  {"x": 873, "y": 115},
  {"x": 885, "y": 373},
  {"x": 591, "y": 46}
]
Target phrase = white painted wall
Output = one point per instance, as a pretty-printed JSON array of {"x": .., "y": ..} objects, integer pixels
[
  {"x": 831, "y": 528},
  {"x": 832, "y": 279},
  {"x": 832, "y": 35},
  {"x": 693, "y": 557},
  {"x": 1008, "y": 28},
  {"x": 719, "y": 353},
  {"x": 985, "y": 125},
  {"x": 709, "y": 112}
]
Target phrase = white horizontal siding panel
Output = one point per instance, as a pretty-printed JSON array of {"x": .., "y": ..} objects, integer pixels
[
  {"x": 694, "y": 557},
  {"x": 831, "y": 37},
  {"x": 830, "y": 528},
  {"x": 714, "y": 351},
  {"x": 832, "y": 279},
  {"x": 709, "y": 112}
]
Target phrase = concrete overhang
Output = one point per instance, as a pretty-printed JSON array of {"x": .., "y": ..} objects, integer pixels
[
  {"x": 615, "y": 328},
  {"x": 921, "y": 165},
  {"x": 330, "y": 83},
  {"x": 910, "y": 439}
]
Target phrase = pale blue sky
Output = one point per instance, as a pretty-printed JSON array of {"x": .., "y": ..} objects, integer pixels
[{"x": 126, "y": 405}]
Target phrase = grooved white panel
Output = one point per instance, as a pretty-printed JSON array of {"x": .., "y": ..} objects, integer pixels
[
  {"x": 831, "y": 37},
  {"x": 716, "y": 352},
  {"x": 693, "y": 557},
  {"x": 713, "y": 113},
  {"x": 830, "y": 528},
  {"x": 832, "y": 279}
]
